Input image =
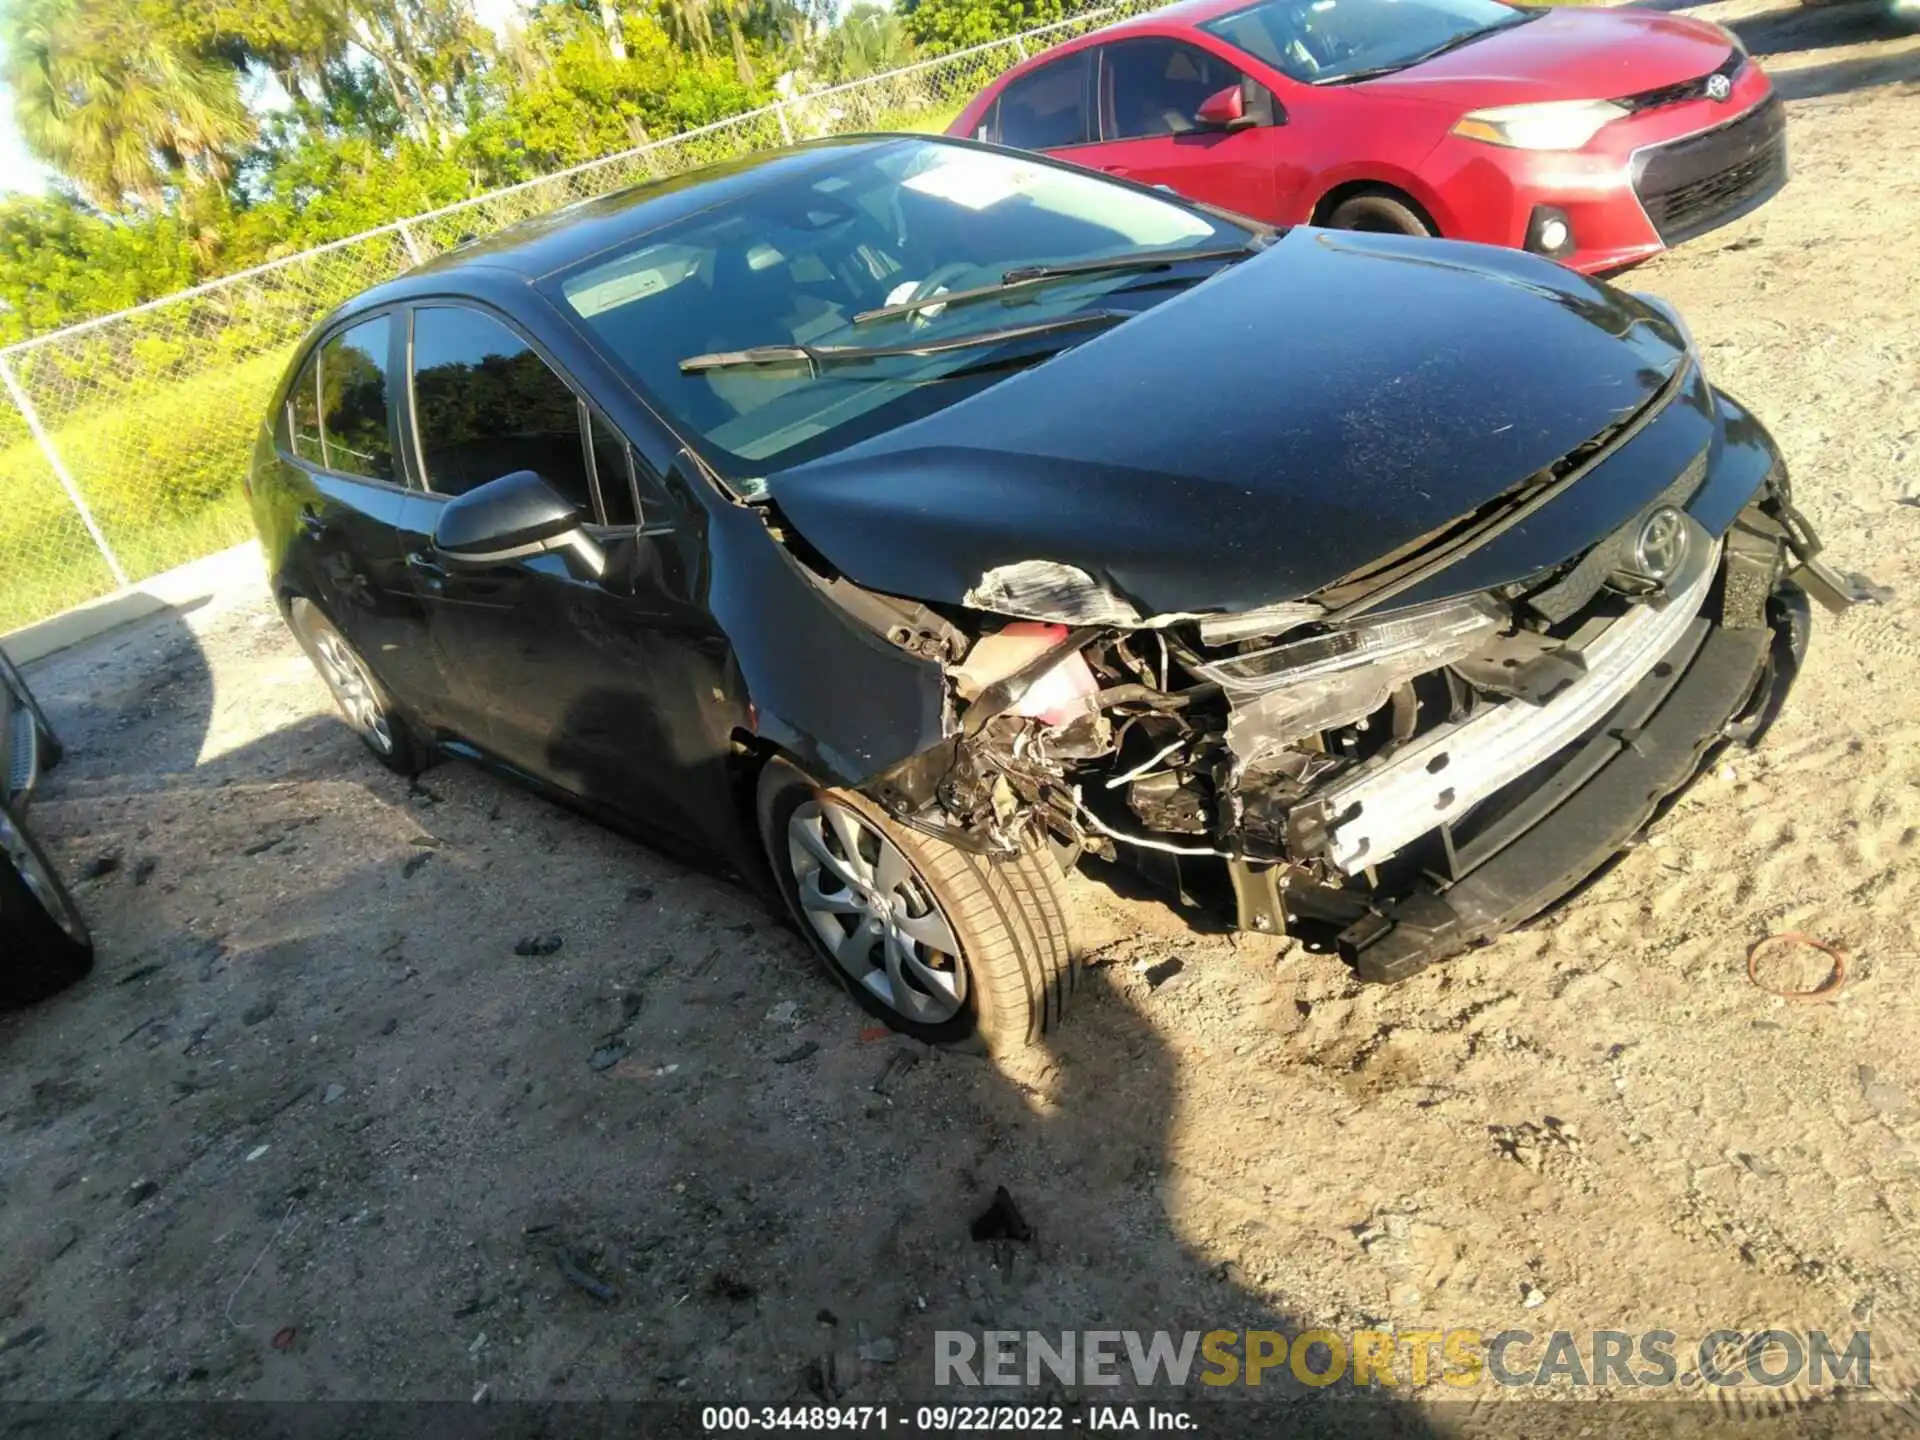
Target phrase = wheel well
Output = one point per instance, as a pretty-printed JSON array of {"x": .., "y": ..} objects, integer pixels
[
  {"x": 1340, "y": 194},
  {"x": 747, "y": 756}
]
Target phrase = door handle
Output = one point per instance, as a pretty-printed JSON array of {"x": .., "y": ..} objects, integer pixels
[
  {"x": 311, "y": 524},
  {"x": 1116, "y": 169}
]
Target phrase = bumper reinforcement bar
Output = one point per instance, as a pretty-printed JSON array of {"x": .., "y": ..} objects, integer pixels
[{"x": 1374, "y": 813}]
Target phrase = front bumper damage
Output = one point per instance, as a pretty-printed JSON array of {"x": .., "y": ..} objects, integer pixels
[
  {"x": 1528, "y": 802},
  {"x": 1565, "y": 788},
  {"x": 1568, "y": 813},
  {"x": 1374, "y": 813},
  {"x": 1423, "y": 828}
]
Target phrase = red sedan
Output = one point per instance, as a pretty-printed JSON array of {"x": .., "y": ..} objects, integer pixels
[{"x": 1598, "y": 137}]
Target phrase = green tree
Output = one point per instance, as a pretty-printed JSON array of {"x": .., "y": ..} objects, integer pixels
[
  {"x": 748, "y": 25},
  {"x": 689, "y": 23},
  {"x": 869, "y": 40},
  {"x": 117, "y": 107},
  {"x": 302, "y": 43},
  {"x": 59, "y": 263},
  {"x": 578, "y": 103},
  {"x": 397, "y": 107},
  {"x": 943, "y": 25},
  {"x": 606, "y": 14},
  {"x": 313, "y": 188},
  {"x": 429, "y": 51}
]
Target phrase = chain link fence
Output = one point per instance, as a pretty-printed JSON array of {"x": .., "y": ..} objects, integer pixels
[{"x": 125, "y": 439}]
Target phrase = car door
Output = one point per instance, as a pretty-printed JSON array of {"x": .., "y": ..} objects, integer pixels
[
  {"x": 603, "y": 686},
  {"x": 1149, "y": 91},
  {"x": 352, "y": 514}
]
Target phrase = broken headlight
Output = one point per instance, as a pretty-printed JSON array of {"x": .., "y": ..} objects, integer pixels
[
  {"x": 1258, "y": 624},
  {"x": 1284, "y": 693}
]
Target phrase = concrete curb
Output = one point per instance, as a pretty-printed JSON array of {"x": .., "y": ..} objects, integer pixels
[{"x": 189, "y": 584}]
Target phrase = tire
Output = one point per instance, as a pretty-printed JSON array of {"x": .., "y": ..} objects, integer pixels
[
  {"x": 1379, "y": 213},
  {"x": 1009, "y": 920},
  {"x": 51, "y": 750},
  {"x": 44, "y": 944},
  {"x": 363, "y": 702}
]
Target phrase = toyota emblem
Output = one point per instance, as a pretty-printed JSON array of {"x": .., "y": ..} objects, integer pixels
[
  {"x": 1719, "y": 87},
  {"x": 1662, "y": 544}
]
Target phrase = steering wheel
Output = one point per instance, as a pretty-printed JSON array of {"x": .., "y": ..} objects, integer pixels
[{"x": 941, "y": 279}]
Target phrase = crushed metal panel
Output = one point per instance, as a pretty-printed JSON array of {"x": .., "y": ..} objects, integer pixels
[{"x": 1048, "y": 590}]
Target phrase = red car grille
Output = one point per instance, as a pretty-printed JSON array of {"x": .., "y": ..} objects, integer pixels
[
  {"x": 1691, "y": 185},
  {"x": 1694, "y": 89}
]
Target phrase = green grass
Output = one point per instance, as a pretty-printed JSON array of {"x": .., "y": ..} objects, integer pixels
[
  {"x": 162, "y": 474},
  {"x": 925, "y": 122}
]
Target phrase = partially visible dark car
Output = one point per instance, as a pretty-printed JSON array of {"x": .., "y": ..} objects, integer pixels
[
  {"x": 897, "y": 518},
  {"x": 44, "y": 943}
]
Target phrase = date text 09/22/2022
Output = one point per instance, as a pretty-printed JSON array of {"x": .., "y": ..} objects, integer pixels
[{"x": 943, "y": 1419}]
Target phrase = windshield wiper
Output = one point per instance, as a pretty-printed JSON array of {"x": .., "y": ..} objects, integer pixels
[
  {"x": 817, "y": 357},
  {"x": 1021, "y": 277},
  {"x": 1457, "y": 42}
]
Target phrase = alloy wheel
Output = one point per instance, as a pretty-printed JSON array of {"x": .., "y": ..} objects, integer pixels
[
  {"x": 40, "y": 881},
  {"x": 873, "y": 914},
  {"x": 353, "y": 688}
]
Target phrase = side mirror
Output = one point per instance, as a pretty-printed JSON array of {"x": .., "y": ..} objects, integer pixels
[
  {"x": 509, "y": 519},
  {"x": 1224, "y": 110}
]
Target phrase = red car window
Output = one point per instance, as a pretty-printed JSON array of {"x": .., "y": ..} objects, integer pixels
[
  {"x": 1153, "y": 87},
  {"x": 1046, "y": 109}
]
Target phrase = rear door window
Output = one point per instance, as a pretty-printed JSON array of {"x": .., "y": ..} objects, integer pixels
[
  {"x": 355, "y": 434},
  {"x": 1047, "y": 108},
  {"x": 485, "y": 404}
]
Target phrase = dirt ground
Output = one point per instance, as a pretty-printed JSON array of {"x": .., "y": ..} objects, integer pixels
[{"x": 315, "y": 1129}]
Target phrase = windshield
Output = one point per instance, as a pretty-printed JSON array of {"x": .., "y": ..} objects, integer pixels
[
  {"x": 1322, "y": 42},
  {"x": 796, "y": 261}
]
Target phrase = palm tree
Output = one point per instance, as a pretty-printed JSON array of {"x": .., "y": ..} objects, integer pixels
[
  {"x": 118, "y": 110},
  {"x": 870, "y": 39}
]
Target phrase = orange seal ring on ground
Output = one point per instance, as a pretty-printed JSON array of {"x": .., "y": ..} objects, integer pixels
[{"x": 1825, "y": 990}]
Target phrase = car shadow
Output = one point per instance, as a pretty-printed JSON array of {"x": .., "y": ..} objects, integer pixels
[
  {"x": 1801, "y": 28},
  {"x": 1842, "y": 76},
  {"x": 814, "y": 1205},
  {"x": 1797, "y": 29}
]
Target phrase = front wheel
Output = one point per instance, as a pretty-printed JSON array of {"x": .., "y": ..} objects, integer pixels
[
  {"x": 44, "y": 945},
  {"x": 1379, "y": 214},
  {"x": 941, "y": 943}
]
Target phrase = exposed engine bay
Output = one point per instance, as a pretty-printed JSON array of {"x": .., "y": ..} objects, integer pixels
[{"x": 1342, "y": 768}]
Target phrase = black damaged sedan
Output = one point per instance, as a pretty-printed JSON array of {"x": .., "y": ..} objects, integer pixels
[{"x": 896, "y": 520}]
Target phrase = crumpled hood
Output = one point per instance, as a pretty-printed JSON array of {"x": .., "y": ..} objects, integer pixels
[{"x": 1260, "y": 435}]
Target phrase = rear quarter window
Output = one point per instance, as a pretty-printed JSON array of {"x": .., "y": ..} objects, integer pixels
[{"x": 303, "y": 412}]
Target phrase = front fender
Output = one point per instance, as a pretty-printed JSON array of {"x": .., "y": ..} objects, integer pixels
[
  {"x": 1742, "y": 459},
  {"x": 826, "y": 690}
]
